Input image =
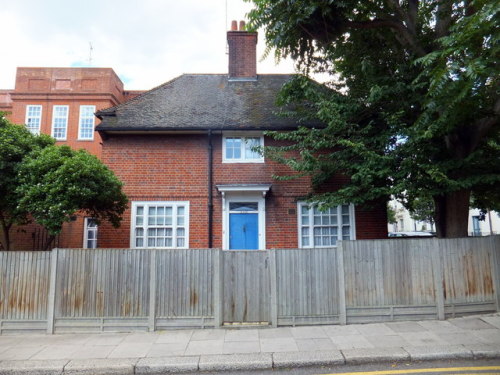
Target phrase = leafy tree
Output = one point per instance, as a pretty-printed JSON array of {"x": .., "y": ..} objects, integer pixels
[
  {"x": 413, "y": 106},
  {"x": 16, "y": 143},
  {"x": 391, "y": 214},
  {"x": 58, "y": 182}
]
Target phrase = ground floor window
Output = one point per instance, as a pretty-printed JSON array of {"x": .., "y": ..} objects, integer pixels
[
  {"x": 323, "y": 228},
  {"x": 160, "y": 225},
  {"x": 90, "y": 233}
]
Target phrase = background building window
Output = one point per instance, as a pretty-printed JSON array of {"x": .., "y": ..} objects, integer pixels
[
  {"x": 86, "y": 123},
  {"x": 90, "y": 234},
  {"x": 60, "y": 122},
  {"x": 241, "y": 149},
  {"x": 33, "y": 118},
  {"x": 160, "y": 225},
  {"x": 323, "y": 228}
]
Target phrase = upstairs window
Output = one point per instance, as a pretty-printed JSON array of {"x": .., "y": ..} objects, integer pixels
[
  {"x": 238, "y": 149},
  {"x": 324, "y": 228},
  {"x": 160, "y": 225},
  {"x": 33, "y": 118},
  {"x": 86, "y": 123},
  {"x": 60, "y": 122}
]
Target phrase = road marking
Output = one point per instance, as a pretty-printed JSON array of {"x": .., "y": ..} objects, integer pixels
[{"x": 427, "y": 370}]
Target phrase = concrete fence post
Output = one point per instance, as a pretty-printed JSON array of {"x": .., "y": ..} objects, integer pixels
[
  {"x": 274, "y": 287},
  {"x": 51, "y": 302},
  {"x": 152, "y": 291},
  {"x": 341, "y": 282},
  {"x": 218, "y": 287},
  {"x": 495, "y": 268}
]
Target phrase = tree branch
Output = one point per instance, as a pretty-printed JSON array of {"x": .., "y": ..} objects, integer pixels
[
  {"x": 407, "y": 39},
  {"x": 443, "y": 18}
]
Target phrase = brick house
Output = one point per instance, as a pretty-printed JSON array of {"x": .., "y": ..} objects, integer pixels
[
  {"x": 184, "y": 152},
  {"x": 61, "y": 102}
]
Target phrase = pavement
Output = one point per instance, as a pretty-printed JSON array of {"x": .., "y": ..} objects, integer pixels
[{"x": 217, "y": 350}]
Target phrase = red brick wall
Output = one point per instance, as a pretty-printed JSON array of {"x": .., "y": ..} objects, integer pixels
[{"x": 174, "y": 168}]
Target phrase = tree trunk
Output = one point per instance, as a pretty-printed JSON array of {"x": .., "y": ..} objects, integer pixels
[
  {"x": 50, "y": 239},
  {"x": 452, "y": 214},
  {"x": 6, "y": 236}
]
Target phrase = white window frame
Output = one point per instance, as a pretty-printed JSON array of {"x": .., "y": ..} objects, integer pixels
[
  {"x": 29, "y": 117},
  {"x": 86, "y": 231},
  {"x": 243, "y": 136},
  {"x": 54, "y": 118},
  {"x": 83, "y": 118},
  {"x": 352, "y": 225},
  {"x": 145, "y": 226}
]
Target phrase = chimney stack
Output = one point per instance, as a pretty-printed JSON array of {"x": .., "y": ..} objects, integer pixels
[{"x": 242, "y": 52}]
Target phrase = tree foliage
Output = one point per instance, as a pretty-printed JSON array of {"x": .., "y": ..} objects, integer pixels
[
  {"x": 16, "y": 142},
  {"x": 50, "y": 184},
  {"x": 413, "y": 106}
]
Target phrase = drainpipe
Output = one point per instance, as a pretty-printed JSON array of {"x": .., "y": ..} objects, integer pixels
[{"x": 210, "y": 195}]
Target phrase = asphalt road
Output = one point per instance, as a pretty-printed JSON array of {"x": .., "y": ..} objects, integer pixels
[{"x": 449, "y": 367}]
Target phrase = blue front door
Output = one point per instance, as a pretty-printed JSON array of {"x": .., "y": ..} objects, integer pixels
[{"x": 244, "y": 231}]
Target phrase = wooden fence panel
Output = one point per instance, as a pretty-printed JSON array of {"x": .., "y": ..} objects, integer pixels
[
  {"x": 246, "y": 285},
  {"x": 468, "y": 279},
  {"x": 307, "y": 286},
  {"x": 24, "y": 285},
  {"x": 102, "y": 283},
  {"x": 184, "y": 283}
]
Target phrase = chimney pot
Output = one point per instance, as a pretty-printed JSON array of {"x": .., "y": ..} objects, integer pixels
[
  {"x": 242, "y": 25},
  {"x": 234, "y": 25}
]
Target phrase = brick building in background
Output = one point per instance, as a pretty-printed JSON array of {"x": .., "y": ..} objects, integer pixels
[
  {"x": 184, "y": 152},
  {"x": 61, "y": 102}
]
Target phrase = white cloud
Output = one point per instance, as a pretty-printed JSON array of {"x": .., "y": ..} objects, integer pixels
[{"x": 146, "y": 42}]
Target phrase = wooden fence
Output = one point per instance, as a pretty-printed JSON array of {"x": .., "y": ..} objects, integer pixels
[{"x": 75, "y": 290}]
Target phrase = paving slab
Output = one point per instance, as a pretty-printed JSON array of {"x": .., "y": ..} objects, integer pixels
[
  {"x": 54, "y": 367},
  {"x": 141, "y": 338},
  {"x": 286, "y": 344},
  {"x": 423, "y": 339},
  {"x": 375, "y": 329},
  {"x": 159, "y": 366},
  {"x": 122, "y": 366},
  {"x": 275, "y": 333},
  {"x": 308, "y": 333},
  {"x": 242, "y": 335},
  {"x": 426, "y": 353},
  {"x": 235, "y": 362},
  {"x": 488, "y": 336},
  {"x": 308, "y": 345},
  {"x": 105, "y": 339},
  {"x": 351, "y": 342},
  {"x": 89, "y": 352},
  {"x": 493, "y": 320},
  {"x": 56, "y": 352},
  {"x": 233, "y": 347},
  {"x": 167, "y": 350},
  {"x": 405, "y": 327},
  {"x": 208, "y": 334},
  {"x": 455, "y": 338},
  {"x": 311, "y": 358},
  {"x": 375, "y": 355},
  {"x": 483, "y": 351},
  {"x": 471, "y": 323},
  {"x": 130, "y": 350},
  {"x": 341, "y": 330},
  {"x": 392, "y": 341},
  {"x": 205, "y": 347},
  {"x": 437, "y": 326},
  {"x": 18, "y": 353},
  {"x": 169, "y": 337}
]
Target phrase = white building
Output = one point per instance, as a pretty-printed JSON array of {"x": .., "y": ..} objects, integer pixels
[{"x": 405, "y": 223}]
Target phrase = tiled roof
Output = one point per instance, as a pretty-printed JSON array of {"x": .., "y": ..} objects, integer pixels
[{"x": 202, "y": 101}]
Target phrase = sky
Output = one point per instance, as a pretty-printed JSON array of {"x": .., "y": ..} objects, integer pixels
[{"x": 146, "y": 42}]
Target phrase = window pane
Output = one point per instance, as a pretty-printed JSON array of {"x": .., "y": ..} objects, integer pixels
[
  {"x": 249, "y": 144},
  {"x": 245, "y": 206},
  {"x": 304, "y": 210},
  {"x": 345, "y": 209},
  {"x": 139, "y": 242},
  {"x": 180, "y": 232},
  {"x": 138, "y": 220},
  {"x": 140, "y": 210},
  {"x": 345, "y": 219},
  {"x": 305, "y": 220},
  {"x": 139, "y": 232},
  {"x": 180, "y": 210},
  {"x": 180, "y": 242}
]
